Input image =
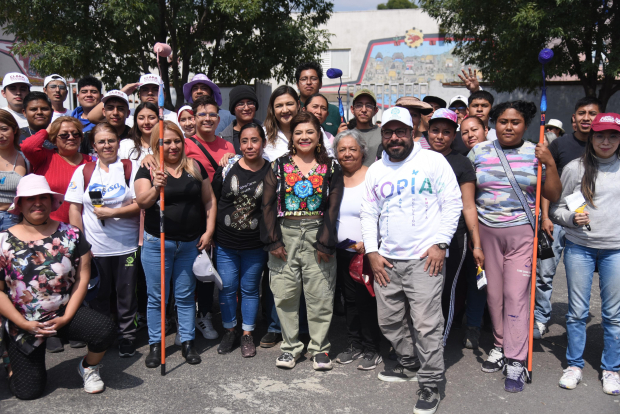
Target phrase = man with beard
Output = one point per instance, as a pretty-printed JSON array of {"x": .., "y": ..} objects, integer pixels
[{"x": 413, "y": 196}]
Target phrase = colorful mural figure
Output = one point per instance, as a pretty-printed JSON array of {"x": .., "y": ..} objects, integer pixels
[{"x": 413, "y": 58}]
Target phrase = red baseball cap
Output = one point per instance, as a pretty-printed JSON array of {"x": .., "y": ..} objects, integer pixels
[{"x": 604, "y": 122}]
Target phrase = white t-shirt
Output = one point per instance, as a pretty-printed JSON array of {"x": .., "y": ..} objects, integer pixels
[
  {"x": 59, "y": 114},
  {"x": 168, "y": 116},
  {"x": 348, "y": 224},
  {"x": 21, "y": 120},
  {"x": 127, "y": 151},
  {"x": 492, "y": 135},
  {"x": 119, "y": 235},
  {"x": 278, "y": 149}
]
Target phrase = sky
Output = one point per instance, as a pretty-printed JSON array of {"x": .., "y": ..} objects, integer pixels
[{"x": 350, "y": 5}]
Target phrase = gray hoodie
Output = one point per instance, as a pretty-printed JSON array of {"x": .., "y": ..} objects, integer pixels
[{"x": 604, "y": 218}]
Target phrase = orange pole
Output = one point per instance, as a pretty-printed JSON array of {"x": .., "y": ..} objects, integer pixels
[
  {"x": 535, "y": 253},
  {"x": 162, "y": 238}
]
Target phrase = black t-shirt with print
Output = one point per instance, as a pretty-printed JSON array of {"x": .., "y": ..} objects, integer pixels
[
  {"x": 464, "y": 171},
  {"x": 184, "y": 217},
  {"x": 239, "y": 212}
]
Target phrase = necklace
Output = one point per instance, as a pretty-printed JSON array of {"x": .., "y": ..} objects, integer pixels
[{"x": 609, "y": 167}]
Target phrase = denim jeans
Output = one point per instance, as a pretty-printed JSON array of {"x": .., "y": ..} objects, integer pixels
[
  {"x": 179, "y": 259},
  {"x": 240, "y": 268},
  {"x": 544, "y": 277},
  {"x": 8, "y": 220},
  {"x": 580, "y": 262}
]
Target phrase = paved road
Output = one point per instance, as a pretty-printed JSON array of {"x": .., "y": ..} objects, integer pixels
[{"x": 231, "y": 384}]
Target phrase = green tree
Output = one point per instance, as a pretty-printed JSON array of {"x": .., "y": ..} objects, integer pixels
[
  {"x": 397, "y": 4},
  {"x": 584, "y": 36},
  {"x": 233, "y": 41}
]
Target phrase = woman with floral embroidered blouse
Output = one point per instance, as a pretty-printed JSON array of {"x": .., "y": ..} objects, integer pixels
[{"x": 301, "y": 198}]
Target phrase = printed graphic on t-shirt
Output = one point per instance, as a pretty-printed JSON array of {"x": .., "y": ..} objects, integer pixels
[{"x": 244, "y": 204}]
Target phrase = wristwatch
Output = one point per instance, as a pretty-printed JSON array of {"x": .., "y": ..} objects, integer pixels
[{"x": 443, "y": 246}]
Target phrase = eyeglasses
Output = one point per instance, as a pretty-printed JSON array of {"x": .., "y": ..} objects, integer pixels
[
  {"x": 360, "y": 106},
  {"x": 387, "y": 133},
  {"x": 248, "y": 104},
  {"x": 457, "y": 108},
  {"x": 613, "y": 138},
  {"x": 312, "y": 79},
  {"x": 73, "y": 134},
  {"x": 61, "y": 87},
  {"x": 210, "y": 115}
]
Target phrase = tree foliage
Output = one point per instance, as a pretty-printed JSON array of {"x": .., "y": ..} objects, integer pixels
[
  {"x": 233, "y": 41},
  {"x": 503, "y": 38},
  {"x": 397, "y": 4}
]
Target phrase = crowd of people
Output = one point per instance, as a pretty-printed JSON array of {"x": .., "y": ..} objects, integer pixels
[{"x": 393, "y": 224}]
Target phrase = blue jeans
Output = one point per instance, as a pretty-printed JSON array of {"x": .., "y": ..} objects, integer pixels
[
  {"x": 179, "y": 258},
  {"x": 580, "y": 262},
  {"x": 544, "y": 277},
  {"x": 8, "y": 220},
  {"x": 240, "y": 268}
]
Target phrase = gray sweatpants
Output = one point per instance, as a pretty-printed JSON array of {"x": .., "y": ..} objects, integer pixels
[{"x": 411, "y": 285}]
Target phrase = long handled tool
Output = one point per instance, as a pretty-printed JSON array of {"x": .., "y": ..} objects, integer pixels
[
  {"x": 334, "y": 73},
  {"x": 163, "y": 50},
  {"x": 544, "y": 57}
]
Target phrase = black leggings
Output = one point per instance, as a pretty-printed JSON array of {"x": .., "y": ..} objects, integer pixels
[{"x": 29, "y": 374}]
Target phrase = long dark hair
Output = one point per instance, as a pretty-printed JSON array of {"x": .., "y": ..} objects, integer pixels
[
  {"x": 590, "y": 170},
  {"x": 304, "y": 117},
  {"x": 271, "y": 123},
  {"x": 135, "y": 134}
]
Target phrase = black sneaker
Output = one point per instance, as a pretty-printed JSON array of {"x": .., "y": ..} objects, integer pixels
[
  {"x": 471, "y": 338},
  {"x": 53, "y": 345},
  {"x": 77, "y": 344},
  {"x": 399, "y": 374},
  {"x": 248, "y": 349},
  {"x": 348, "y": 355},
  {"x": 153, "y": 359},
  {"x": 516, "y": 376},
  {"x": 322, "y": 362},
  {"x": 428, "y": 400},
  {"x": 126, "y": 348},
  {"x": 495, "y": 362},
  {"x": 369, "y": 361},
  {"x": 228, "y": 342},
  {"x": 270, "y": 339}
]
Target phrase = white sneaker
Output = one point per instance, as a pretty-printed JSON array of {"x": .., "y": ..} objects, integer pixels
[
  {"x": 205, "y": 326},
  {"x": 570, "y": 379},
  {"x": 539, "y": 329},
  {"x": 92, "y": 380},
  {"x": 611, "y": 383}
]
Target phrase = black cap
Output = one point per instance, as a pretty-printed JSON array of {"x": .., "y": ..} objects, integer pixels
[
  {"x": 241, "y": 92},
  {"x": 435, "y": 99}
]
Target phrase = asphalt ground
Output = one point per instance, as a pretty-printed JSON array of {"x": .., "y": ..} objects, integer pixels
[{"x": 231, "y": 384}]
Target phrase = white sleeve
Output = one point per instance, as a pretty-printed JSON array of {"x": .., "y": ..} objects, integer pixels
[
  {"x": 369, "y": 215},
  {"x": 450, "y": 201},
  {"x": 132, "y": 178},
  {"x": 75, "y": 190}
]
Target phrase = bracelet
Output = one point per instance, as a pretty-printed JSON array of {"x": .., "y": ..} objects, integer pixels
[
  {"x": 545, "y": 219},
  {"x": 477, "y": 248}
]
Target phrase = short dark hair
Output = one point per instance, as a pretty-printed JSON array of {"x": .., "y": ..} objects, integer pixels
[
  {"x": 90, "y": 81},
  {"x": 309, "y": 65},
  {"x": 204, "y": 100},
  {"x": 314, "y": 96},
  {"x": 257, "y": 127},
  {"x": 526, "y": 109},
  {"x": 588, "y": 100},
  {"x": 481, "y": 95},
  {"x": 36, "y": 96}
]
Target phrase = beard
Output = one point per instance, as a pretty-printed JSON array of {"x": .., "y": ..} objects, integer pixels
[{"x": 399, "y": 154}]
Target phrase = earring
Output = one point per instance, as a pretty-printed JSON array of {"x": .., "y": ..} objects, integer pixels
[
  {"x": 294, "y": 150},
  {"x": 318, "y": 148}
]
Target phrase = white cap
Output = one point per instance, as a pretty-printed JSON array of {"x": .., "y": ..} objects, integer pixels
[
  {"x": 555, "y": 123},
  {"x": 150, "y": 79},
  {"x": 397, "y": 114},
  {"x": 54, "y": 77},
  {"x": 14, "y": 77},
  {"x": 461, "y": 98},
  {"x": 115, "y": 94}
]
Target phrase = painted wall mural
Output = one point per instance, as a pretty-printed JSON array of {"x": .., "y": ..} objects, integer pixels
[{"x": 412, "y": 58}]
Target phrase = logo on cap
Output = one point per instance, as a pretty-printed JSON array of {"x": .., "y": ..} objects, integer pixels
[
  {"x": 395, "y": 110},
  {"x": 607, "y": 119}
]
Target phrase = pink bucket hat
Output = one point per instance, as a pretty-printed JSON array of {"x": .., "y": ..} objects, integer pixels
[
  {"x": 202, "y": 78},
  {"x": 32, "y": 185}
]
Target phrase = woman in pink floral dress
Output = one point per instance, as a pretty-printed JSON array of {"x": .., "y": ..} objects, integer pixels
[{"x": 45, "y": 269}]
